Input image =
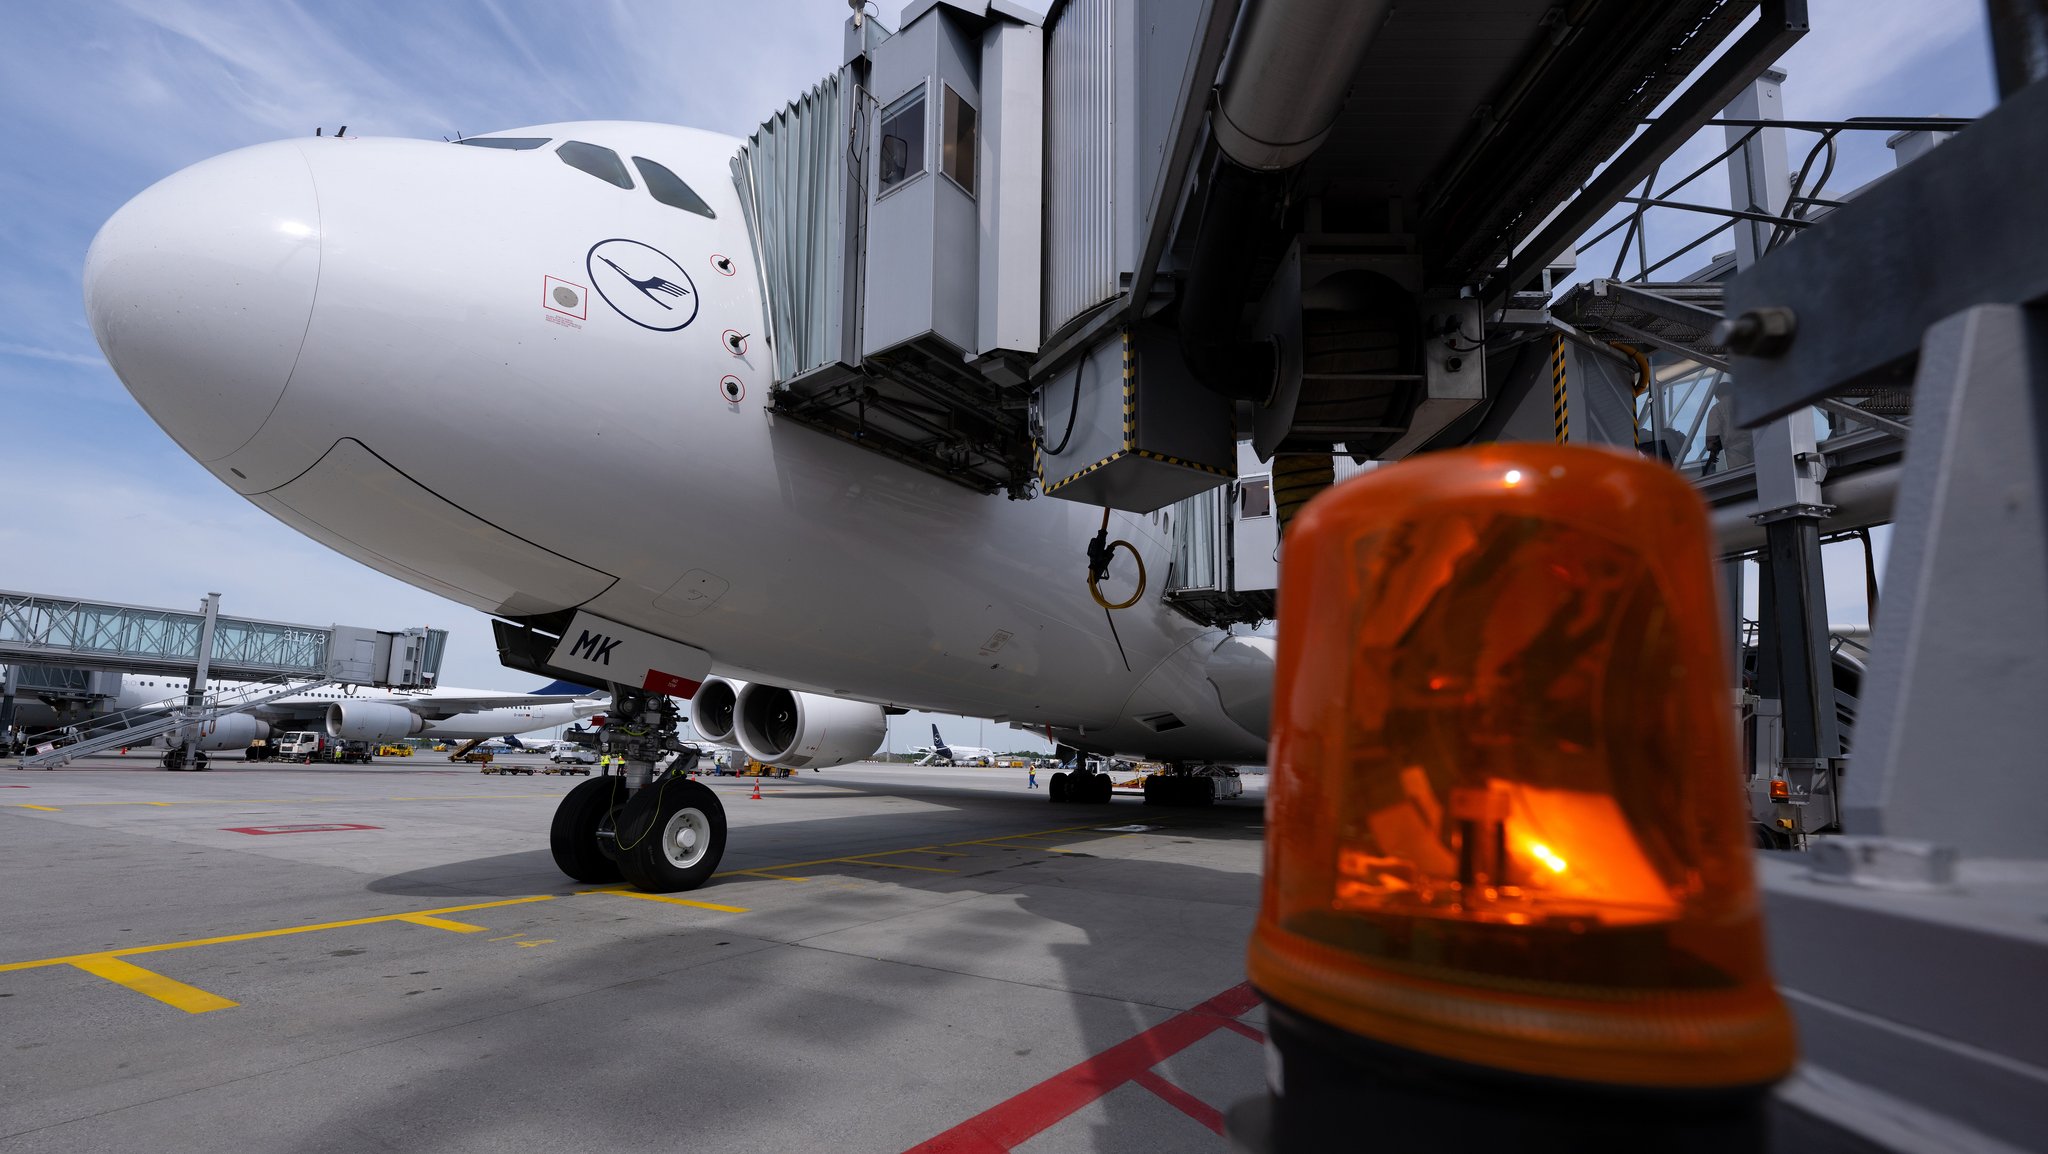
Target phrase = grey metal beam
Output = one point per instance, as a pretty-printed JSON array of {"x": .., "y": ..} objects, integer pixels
[
  {"x": 1980, "y": 195},
  {"x": 1680, "y": 312},
  {"x": 1779, "y": 25},
  {"x": 1665, "y": 343}
]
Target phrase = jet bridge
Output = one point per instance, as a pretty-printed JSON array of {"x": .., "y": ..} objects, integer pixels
[
  {"x": 38, "y": 632},
  {"x": 1079, "y": 257}
]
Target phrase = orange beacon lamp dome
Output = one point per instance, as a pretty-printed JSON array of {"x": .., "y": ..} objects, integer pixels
[{"x": 1505, "y": 836}]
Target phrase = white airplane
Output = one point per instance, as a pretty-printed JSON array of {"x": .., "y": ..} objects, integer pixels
[
  {"x": 942, "y": 754},
  {"x": 357, "y": 713},
  {"x": 346, "y": 330}
]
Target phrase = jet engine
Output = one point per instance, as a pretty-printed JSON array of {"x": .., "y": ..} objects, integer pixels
[
  {"x": 371, "y": 721},
  {"x": 781, "y": 727},
  {"x": 714, "y": 711},
  {"x": 231, "y": 731}
]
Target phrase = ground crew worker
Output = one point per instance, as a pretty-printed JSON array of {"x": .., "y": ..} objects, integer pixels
[{"x": 1032, "y": 770}]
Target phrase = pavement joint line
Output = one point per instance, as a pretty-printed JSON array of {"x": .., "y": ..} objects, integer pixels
[{"x": 890, "y": 865}]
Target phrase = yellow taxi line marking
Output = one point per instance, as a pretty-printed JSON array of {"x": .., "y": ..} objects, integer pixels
[
  {"x": 937, "y": 852},
  {"x": 131, "y": 951},
  {"x": 762, "y": 873},
  {"x": 671, "y": 899},
  {"x": 1011, "y": 836},
  {"x": 536, "y": 942},
  {"x": 148, "y": 983},
  {"x": 890, "y": 865},
  {"x": 44, "y": 808},
  {"x": 434, "y": 923}
]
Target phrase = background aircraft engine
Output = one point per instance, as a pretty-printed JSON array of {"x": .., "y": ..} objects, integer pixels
[
  {"x": 234, "y": 731},
  {"x": 714, "y": 712},
  {"x": 807, "y": 730},
  {"x": 371, "y": 721}
]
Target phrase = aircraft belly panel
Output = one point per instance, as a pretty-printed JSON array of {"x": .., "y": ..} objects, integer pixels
[{"x": 352, "y": 498}]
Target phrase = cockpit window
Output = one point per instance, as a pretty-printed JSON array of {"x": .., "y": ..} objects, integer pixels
[
  {"x": 669, "y": 189},
  {"x": 599, "y": 162},
  {"x": 516, "y": 143}
]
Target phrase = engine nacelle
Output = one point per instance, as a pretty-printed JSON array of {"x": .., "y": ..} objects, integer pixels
[
  {"x": 781, "y": 727},
  {"x": 714, "y": 711},
  {"x": 230, "y": 731},
  {"x": 371, "y": 721}
]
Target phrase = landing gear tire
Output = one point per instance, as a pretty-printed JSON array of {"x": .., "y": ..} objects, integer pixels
[
  {"x": 1056, "y": 788},
  {"x": 1098, "y": 789},
  {"x": 573, "y": 837},
  {"x": 670, "y": 835}
]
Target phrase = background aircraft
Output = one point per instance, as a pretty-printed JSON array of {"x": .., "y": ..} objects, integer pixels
[
  {"x": 942, "y": 754},
  {"x": 353, "y": 712}
]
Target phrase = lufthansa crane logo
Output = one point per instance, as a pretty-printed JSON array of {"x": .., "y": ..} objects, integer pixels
[{"x": 642, "y": 284}]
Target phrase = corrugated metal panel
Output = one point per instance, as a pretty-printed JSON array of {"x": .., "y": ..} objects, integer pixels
[
  {"x": 1080, "y": 161},
  {"x": 792, "y": 178}
]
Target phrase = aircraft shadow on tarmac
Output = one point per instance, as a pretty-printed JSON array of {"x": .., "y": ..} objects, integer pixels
[
  {"x": 702, "y": 1023},
  {"x": 758, "y": 844}
]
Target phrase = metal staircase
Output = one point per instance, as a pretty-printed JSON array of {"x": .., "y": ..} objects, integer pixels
[{"x": 145, "y": 722}]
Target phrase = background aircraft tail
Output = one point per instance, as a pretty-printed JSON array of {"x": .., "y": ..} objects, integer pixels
[
  {"x": 939, "y": 744},
  {"x": 565, "y": 689}
]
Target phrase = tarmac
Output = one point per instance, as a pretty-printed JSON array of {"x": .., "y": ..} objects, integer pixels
[{"x": 312, "y": 958}]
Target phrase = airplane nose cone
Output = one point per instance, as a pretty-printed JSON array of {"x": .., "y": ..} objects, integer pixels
[{"x": 200, "y": 290}]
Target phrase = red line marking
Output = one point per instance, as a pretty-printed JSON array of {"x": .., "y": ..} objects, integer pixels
[
  {"x": 1181, "y": 1100},
  {"x": 1249, "y": 1031},
  {"x": 1011, "y": 1123}
]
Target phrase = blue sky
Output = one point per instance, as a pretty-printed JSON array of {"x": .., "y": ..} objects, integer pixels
[{"x": 103, "y": 98}]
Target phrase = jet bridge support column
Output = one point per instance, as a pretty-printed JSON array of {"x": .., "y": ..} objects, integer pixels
[
  {"x": 1792, "y": 656},
  {"x": 7, "y": 702},
  {"x": 188, "y": 754}
]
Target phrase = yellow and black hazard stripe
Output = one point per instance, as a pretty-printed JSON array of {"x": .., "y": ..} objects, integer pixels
[
  {"x": 1130, "y": 394},
  {"x": 1069, "y": 479},
  {"x": 1560, "y": 410}
]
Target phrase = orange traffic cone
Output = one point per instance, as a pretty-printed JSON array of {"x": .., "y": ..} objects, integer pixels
[{"x": 757, "y": 790}]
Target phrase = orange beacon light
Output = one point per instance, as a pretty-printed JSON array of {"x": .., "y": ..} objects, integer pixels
[{"x": 1505, "y": 841}]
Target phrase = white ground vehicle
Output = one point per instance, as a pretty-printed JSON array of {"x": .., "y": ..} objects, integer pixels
[
  {"x": 303, "y": 745},
  {"x": 567, "y": 753}
]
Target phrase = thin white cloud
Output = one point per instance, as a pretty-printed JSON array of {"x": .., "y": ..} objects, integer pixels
[{"x": 9, "y": 348}]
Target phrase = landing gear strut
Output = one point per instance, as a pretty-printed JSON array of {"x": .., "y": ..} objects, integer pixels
[
  {"x": 661, "y": 833},
  {"x": 174, "y": 760}
]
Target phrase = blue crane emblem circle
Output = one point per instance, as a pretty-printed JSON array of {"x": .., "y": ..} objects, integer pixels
[{"x": 642, "y": 284}]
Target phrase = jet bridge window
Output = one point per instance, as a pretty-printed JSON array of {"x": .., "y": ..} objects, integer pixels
[
  {"x": 669, "y": 189},
  {"x": 902, "y": 151},
  {"x": 1255, "y": 498},
  {"x": 598, "y": 161},
  {"x": 515, "y": 143},
  {"x": 956, "y": 136}
]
